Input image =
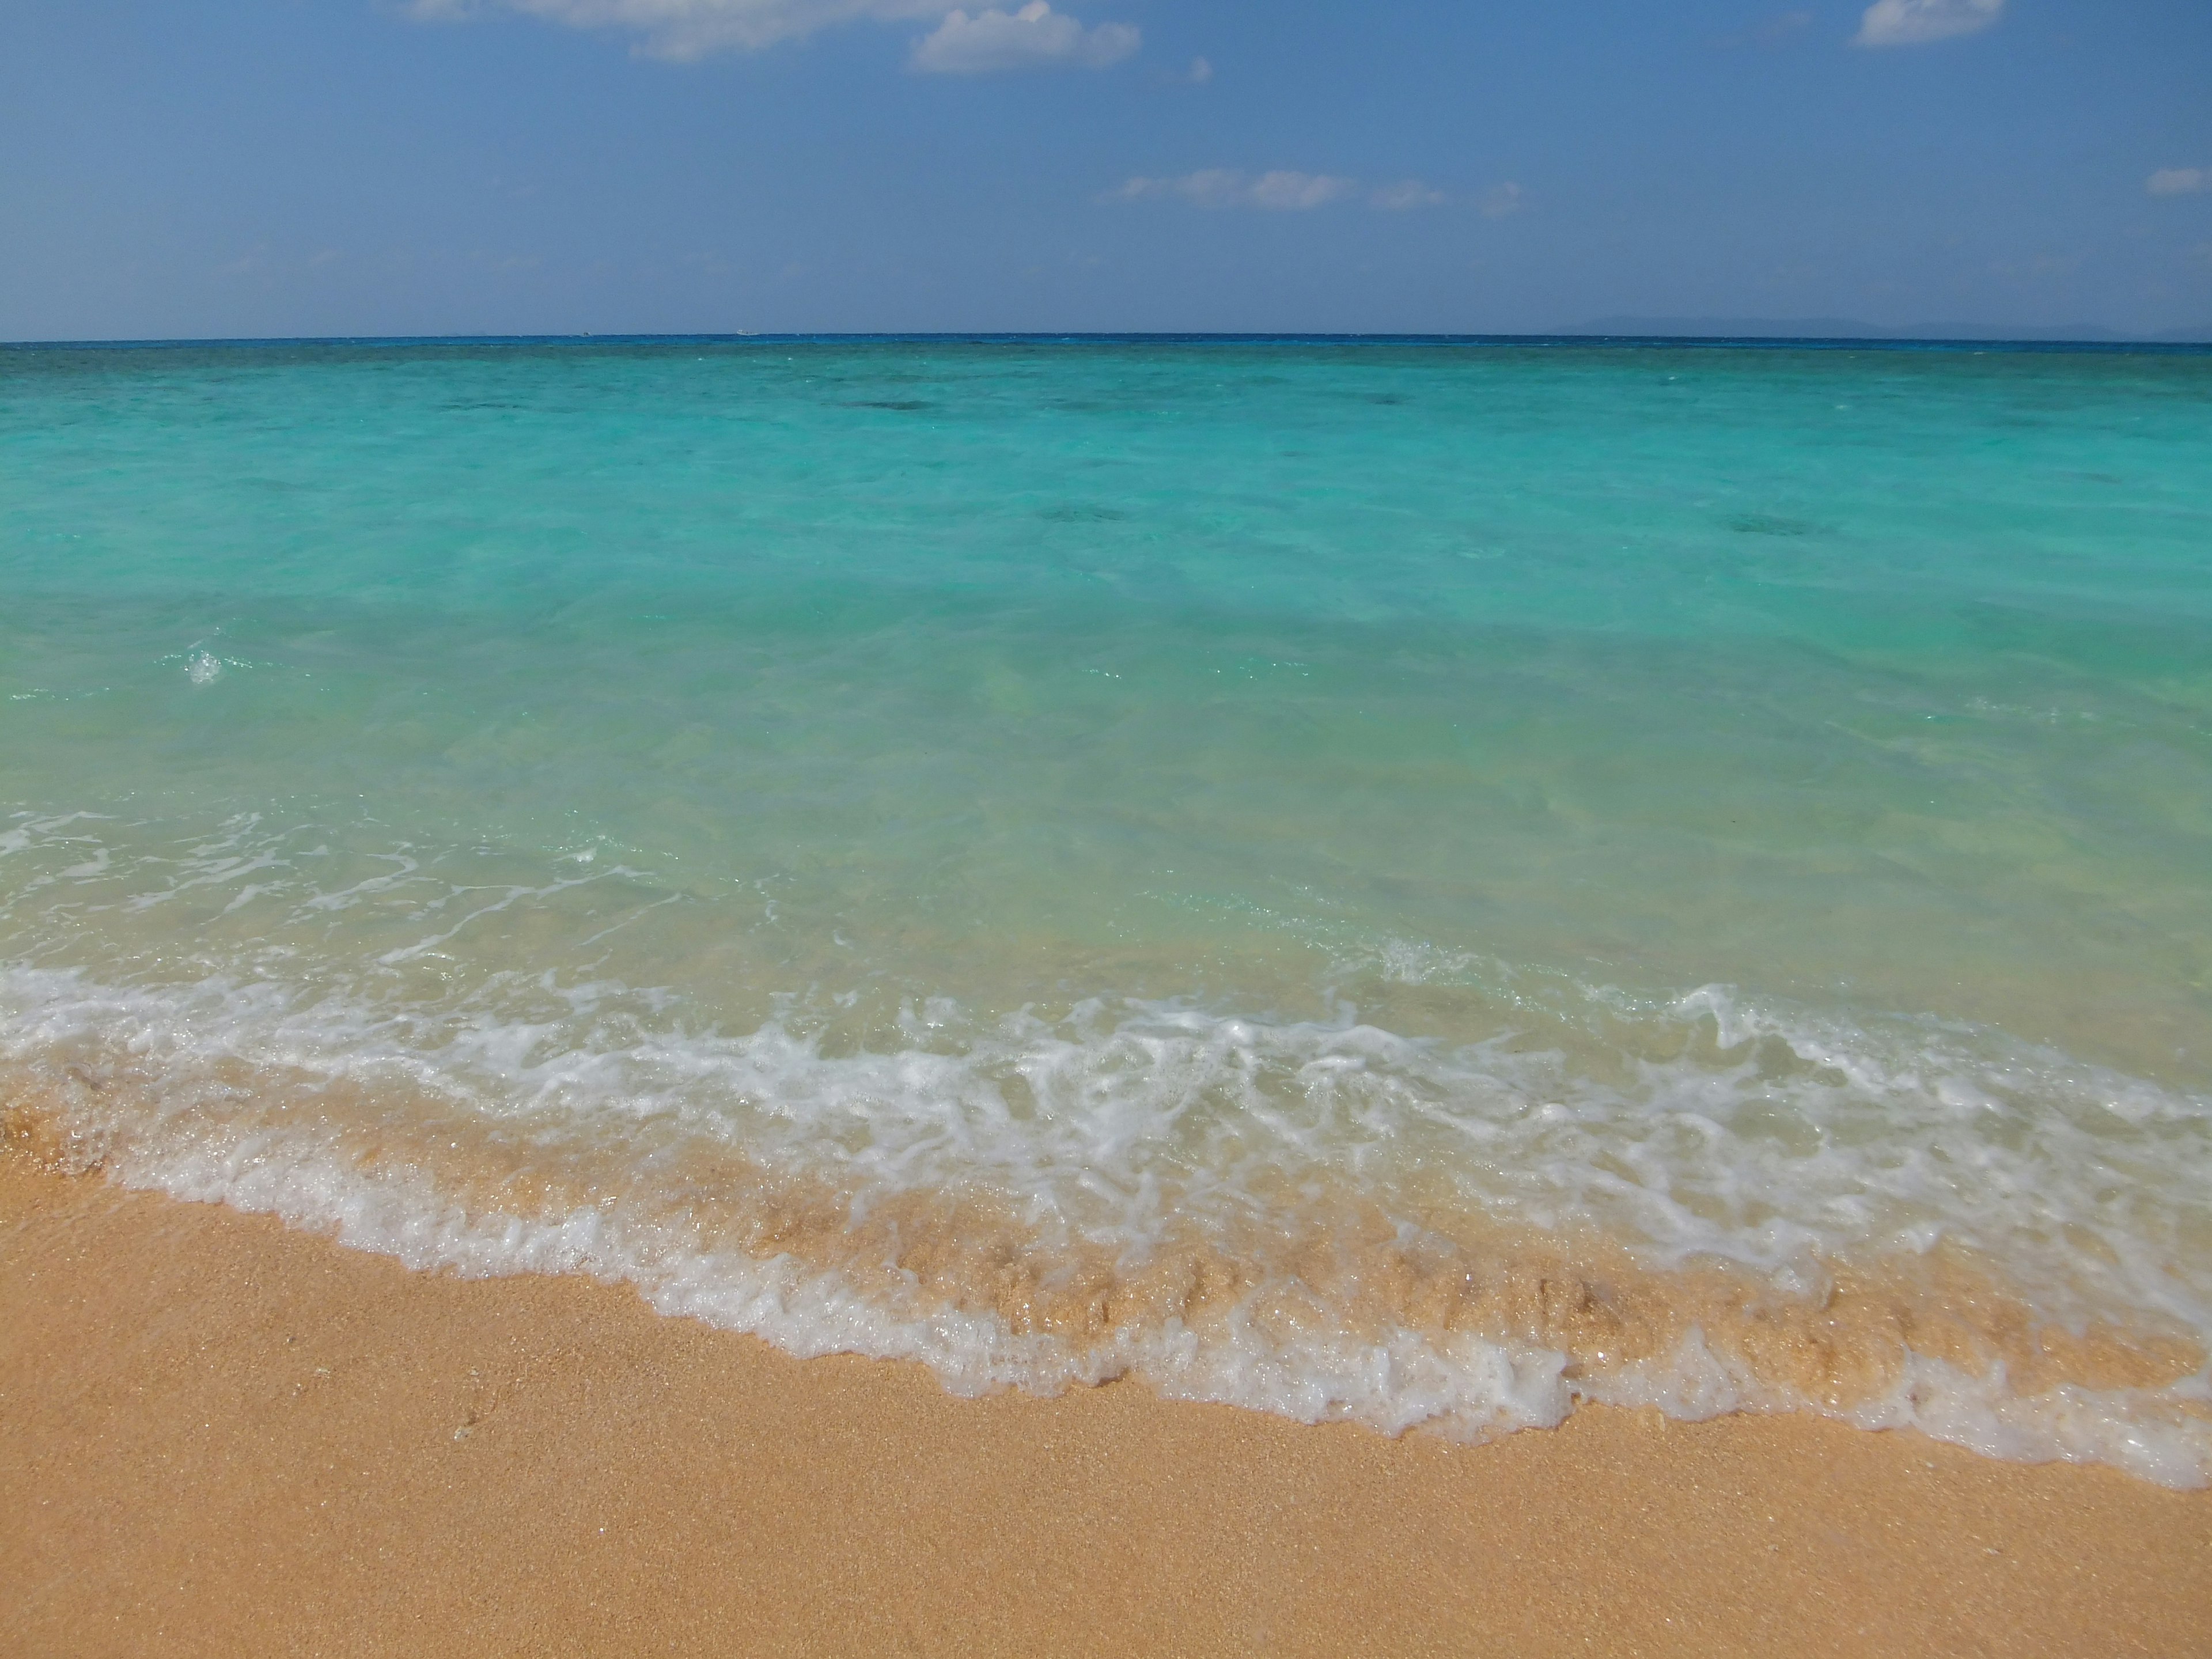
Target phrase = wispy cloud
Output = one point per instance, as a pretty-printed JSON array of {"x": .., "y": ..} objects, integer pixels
[
  {"x": 1224, "y": 187},
  {"x": 1197, "y": 74},
  {"x": 1285, "y": 190},
  {"x": 2179, "y": 181},
  {"x": 1298, "y": 191},
  {"x": 1501, "y": 201},
  {"x": 1035, "y": 37},
  {"x": 1915, "y": 23},
  {"x": 1405, "y": 195},
  {"x": 688, "y": 29},
  {"x": 1211, "y": 187}
]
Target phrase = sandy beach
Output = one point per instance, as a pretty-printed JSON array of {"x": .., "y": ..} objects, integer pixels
[
  {"x": 220, "y": 1436},
  {"x": 859, "y": 827}
]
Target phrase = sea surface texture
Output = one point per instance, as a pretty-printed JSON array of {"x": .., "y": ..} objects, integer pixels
[{"x": 1419, "y": 884}]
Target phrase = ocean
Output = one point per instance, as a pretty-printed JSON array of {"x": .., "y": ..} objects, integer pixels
[{"x": 1426, "y": 883}]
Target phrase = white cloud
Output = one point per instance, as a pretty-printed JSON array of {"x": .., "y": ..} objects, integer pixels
[
  {"x": 1913, "y": 22},
  {"x": 1285, "y": 190},
  {"x": 1221, "y": 187},
  {"x": 1201, "y": 71},
  {"x": 1406, "y": 194},
  {"x": 2179, "y": 181},
  {"x": 1298, "y": 190},
  {"x": 1213, "y": 187},
  {"x": 1502, "y": 201},
  {"x": 1035, "y": 37},
  {"x": 688, "y": 29}
]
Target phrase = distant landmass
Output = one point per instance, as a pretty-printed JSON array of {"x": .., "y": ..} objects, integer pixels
[{"x": 1844, "y": 328}]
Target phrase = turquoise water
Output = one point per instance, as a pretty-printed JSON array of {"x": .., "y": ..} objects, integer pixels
[{"x": 1226, "y": 862}]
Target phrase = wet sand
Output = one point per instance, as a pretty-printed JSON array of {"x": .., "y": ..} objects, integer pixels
[{"x": 219, "y": 1437}]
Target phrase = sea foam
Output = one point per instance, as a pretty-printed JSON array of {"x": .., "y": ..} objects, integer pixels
[{"x": 1323, "y": 1220}]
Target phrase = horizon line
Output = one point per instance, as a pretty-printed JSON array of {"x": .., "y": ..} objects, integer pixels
[{"x": 1588, "y": 336}]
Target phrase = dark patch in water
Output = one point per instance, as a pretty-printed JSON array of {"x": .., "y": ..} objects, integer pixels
[
  {"x": 1385, "y": 398},
  {"x": 905, "y": 406},
  {"x": 1080, "y": 512},
  {"x": 1769, "y": 524}
]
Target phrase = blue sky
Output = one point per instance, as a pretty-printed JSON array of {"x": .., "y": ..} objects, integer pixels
[{"x": 256, "y": 168}]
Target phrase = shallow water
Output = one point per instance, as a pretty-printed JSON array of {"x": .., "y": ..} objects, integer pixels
[{"x": 1417, "y": 883}]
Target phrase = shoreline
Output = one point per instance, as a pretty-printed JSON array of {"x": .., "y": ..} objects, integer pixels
[{"x": 223, "y": 1437}]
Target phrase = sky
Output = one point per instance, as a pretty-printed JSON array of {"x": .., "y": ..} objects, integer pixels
[{"x": 242, "y": 168}]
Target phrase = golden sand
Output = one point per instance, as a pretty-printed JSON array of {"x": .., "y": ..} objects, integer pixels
[{"x": 219, "y": 1437}]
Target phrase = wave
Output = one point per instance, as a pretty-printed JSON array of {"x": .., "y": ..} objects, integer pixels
[{"x": 1706, "y": 1204}]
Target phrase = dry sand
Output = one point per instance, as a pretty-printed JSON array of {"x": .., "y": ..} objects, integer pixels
[{"x": 218, "y": 1436}]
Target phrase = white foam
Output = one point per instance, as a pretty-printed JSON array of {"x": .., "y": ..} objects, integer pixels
[{"x": 1792, "y": 1143}]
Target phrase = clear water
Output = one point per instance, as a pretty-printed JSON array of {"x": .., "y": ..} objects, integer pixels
[{"x": 1425, "y": 884}]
